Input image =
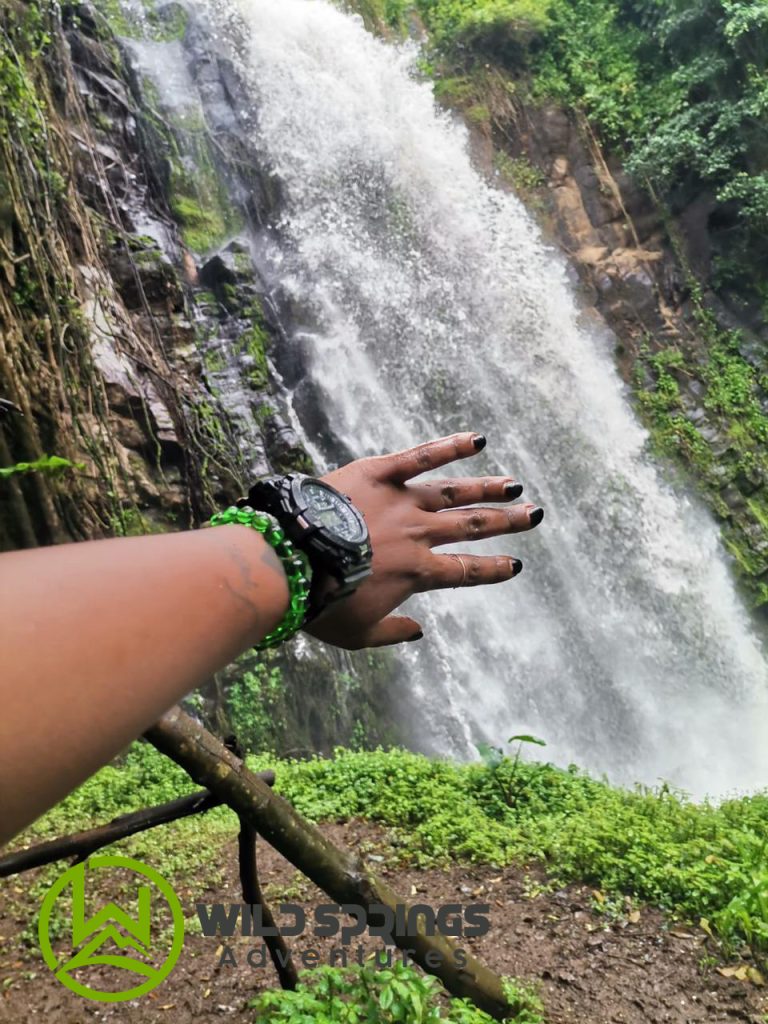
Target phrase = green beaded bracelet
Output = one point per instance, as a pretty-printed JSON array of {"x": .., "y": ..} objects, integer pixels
[{"x": 296, "y": 567}]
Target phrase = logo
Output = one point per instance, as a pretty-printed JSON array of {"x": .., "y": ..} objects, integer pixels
[{"x": 110, "y": 937}]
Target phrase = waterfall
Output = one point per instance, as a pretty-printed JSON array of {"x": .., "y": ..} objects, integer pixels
[{"x": 423, "y": 301}]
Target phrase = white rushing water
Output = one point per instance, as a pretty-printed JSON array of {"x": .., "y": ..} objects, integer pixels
[{"x": 435, "y": 306}]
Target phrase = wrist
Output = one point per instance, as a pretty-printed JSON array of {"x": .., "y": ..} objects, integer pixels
[
  {"x": 282, "y": 557},
  {"x": 269, "y": 575},
  {"x": 326, "y": 526}
]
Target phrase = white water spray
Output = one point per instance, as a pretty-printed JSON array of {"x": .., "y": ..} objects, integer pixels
[{"x": 432, "y": 305}]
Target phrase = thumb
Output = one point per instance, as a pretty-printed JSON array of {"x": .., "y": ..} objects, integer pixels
[{"x": 395, "y": 629}]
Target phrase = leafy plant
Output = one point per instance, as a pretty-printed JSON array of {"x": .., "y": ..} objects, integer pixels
[
  {"x": 51, "y": 465},
  {"x": 518, "y": 172},
  {"x": 255, "y": 705},
  {"x": 392, "y": 995},
  {"x": 504, "y": 28},
  {"x": 504, "y": 773}
]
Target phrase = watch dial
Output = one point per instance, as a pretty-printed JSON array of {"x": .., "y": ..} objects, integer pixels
[{"x": 331, "y": 512}]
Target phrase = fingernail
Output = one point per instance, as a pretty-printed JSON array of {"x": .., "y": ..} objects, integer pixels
[
  {"x": 535, "y": 516},
  {"x": 416, "y": 636},
  {"x": 517, "y": 566},
  {"x": 513, "y": 490},
  {"x": 479, "y": 442}
]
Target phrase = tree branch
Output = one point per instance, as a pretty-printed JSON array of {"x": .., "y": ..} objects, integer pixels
[
  {"x": 252, "y": 894},
  {"x": 344, "y": 877},
  {"x": 83, "y": 844}
]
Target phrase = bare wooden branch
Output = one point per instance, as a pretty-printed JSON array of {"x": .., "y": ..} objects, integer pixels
[
  {"x": 252, "y": 894},
  {"x": 343, "y": 876},
  {"x": 83, "y": 844}
]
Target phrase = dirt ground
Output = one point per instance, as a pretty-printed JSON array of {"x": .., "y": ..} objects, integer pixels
[{"x": 633, "y": 967}]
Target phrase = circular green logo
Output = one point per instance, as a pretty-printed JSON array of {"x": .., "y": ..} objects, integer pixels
[{"x": 100, "y": 939}]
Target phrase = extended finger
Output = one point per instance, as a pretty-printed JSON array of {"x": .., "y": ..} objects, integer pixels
[
  {"x": 479, "y": 523},
  {"x": 434, "y": 495},
  {"x": 401, "y": 466},
  {"x": 469, "y": 570},
  {"x": 395, "y": 629}
]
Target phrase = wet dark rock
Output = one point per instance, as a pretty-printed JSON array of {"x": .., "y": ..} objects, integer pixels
[
  {"x": 748, "y": 482},
  {"x": 218, "y": 271},
  {"x": 733, "y": 498},
  {"x": 231, "y": 265},
  {"x": 285, "y": 450},
  {"x": 146, "y": 275}
]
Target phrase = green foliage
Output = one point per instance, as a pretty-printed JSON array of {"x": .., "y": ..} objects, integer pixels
[
  {"x": 518, "y": 172},
  {"x": 129, "y": 521},
  {"x": 24, "y": 37},
  {"x": 502, "y": 27},
  {"x": 750, "y": 191},
  {"x": 255, "y": 342},
  {"x": 203, "y": 226},
  {"x": 732, "y": 390},
  {"x": 389, "y": 995},
  {"x": 50, "y": 465},
  {"x": 590, "y": 59},
  {"x": 695, "y": 860},
  {"x": 735, "y": 403},
  {"x": 380, "y": 16},
  {"x": 198, "y": 194},
  {"x": 672, "y": 433},
  {"x": 255, "y": 704},
  {"x": 510, "y": 783},
  {"x": 528, "y": 1005},
  {"x": 161, "y": 25},
  {"x": 682, "y": 89},
  {"x": 679, "y": 87},
  {"x": 141, "y": 778}
]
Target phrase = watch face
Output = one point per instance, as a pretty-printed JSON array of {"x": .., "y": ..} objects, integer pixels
[{"x": 331, "y": 512}]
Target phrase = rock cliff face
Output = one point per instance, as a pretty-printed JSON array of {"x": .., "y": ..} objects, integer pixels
[
  {"x": 643, "y": 273},
  {"x": 138, "y": 337}
]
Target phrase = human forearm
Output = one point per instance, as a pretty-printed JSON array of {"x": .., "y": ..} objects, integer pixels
[{"x": 98, "y": 639}]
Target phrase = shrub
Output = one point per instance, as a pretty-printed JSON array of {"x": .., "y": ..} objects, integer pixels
[{"x": 390, "y": 995}]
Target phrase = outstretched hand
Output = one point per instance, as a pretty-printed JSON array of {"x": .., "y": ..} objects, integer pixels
[{"x": 406, "y": 520}]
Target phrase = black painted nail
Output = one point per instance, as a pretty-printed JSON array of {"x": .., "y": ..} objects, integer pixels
[
  {"x": 535, "y": 516},
  {"x": 517, "y": 566},
  {"x": 479, "y": 442},
  {"x": 416, "y": 636},
  {"x": 513, "y": 490}
]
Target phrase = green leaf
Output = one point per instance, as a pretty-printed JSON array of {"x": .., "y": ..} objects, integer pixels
[
  {"x": 523, "y": 738},
  {"x": 491, "y": 756},
  {"x": 50, "y": 464},
  {"x": 386, "y": 998}
]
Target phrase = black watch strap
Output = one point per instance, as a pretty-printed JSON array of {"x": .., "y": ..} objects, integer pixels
[{"x": 346, "y": 565}]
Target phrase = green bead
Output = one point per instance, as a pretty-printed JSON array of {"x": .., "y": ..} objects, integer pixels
[{"x": 294, "y": 562}]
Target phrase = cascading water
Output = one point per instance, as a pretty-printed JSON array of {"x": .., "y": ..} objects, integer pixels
[{"x": 430, "y": 304}]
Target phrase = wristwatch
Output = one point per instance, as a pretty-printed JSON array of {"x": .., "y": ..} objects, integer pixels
[{"x": 326, "y": 526}]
